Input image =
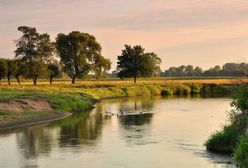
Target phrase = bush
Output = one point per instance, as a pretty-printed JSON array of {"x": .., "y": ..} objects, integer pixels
[
  {"x": 166, "y": 92},
  {"x": 241, "y": 100},
  {"x": 195, "y": 88},
  {"x": 224, "y": 141},
  {"x": 182, "y": 90},
  {"x": 155, "y": 90},
  {"x": 241, "y": 153}
]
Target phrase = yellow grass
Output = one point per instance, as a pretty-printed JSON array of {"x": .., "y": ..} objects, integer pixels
[{"x": 130, "y": 82}]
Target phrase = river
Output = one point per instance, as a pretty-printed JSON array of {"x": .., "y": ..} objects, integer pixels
[{"x": 172, "y": 136}]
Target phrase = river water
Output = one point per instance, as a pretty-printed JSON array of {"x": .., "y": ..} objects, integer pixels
[{"x": 172, "y": 137}]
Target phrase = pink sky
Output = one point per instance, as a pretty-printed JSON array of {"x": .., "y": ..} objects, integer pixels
[{"x": 197, "y": 32}]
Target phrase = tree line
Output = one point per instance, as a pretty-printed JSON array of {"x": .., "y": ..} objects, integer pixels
[
  {"x": 228, "y": 69},
  {"x": 78, "y": 54}
]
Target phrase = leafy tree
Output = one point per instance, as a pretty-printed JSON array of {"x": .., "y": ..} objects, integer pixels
[
  {"x": 20, "y": 70},
  {"x": 189, "y": 70},
  {"x": 134, "y": 62},
  {"x": 53, "y": 70},
  {"x": 197, "y": 71},
  {"x": 3, "y": 69},
  {"x": 11, "y": 67},
  {"x": 100, "y": 66},
  {"x": 34, "y": 50},
  {"x": 77, "y": 51},
  {"x": 150, "y": 65},
  {"x": 228, "y": 69}
]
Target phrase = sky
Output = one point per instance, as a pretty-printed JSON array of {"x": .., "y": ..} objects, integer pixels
[{"x": 198, "y": 32}]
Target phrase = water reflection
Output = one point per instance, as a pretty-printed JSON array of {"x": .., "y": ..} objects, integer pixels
[{"x": 90, "y": 139}]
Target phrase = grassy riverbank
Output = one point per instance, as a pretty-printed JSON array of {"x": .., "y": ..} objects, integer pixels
[
  {"x": 17, "y": 109},
  {"x": 233, "y": 139},
  {"x": 64, "y": 97}
]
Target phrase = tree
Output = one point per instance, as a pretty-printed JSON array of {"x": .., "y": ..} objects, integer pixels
[
  {"x": 34, "y": 50},
  {"x": 20, "y": 69},
  {"x": 3, "y": 69},
  {"x": 100, "y": 65},
  {"x": 53, "y": 71},
  {"x": 198, "y": 71},
  {"x": 77, "y": 51},
  {"x": 11, "y": 68},
  {"x": 189, "y": 70},
  {"x": 134, "y": 62}
]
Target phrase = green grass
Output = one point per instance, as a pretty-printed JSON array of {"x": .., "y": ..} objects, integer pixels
[
  {"x": 241, "y": 153},
  {"x": 70, "y": 102},
  {"x": 224, "y": 141}
]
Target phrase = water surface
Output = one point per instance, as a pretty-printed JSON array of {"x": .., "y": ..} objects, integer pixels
[{"x": 173, "y": 136}]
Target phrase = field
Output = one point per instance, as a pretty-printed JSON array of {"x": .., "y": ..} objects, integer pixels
[
  {"x": 110, "y": 88},
  {"x": 116, "y": 81}
]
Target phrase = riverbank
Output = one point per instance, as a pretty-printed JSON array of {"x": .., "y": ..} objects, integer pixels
[
  {"x": 22, "y": 110},
  {"x": 233, "y": 138},
  {"x": 27, "y": 104}
]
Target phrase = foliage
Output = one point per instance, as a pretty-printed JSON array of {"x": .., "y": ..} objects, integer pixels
[
  {"x": 241, "y": 152},
  {"x": 224, "y": 141},
  {"x": 79, "y": 53},
  {"x": 167, "y": 92},
  {"x": 228, "y": 69},
  {"x": 182, "y": 90},
  {"x": 53, "y": 71},
  {"x": 241, "y": 100},
  {"x": 134, "y": 62},
  {"x": 3, "y": 69},
  {"x": 34, "y": 50},
  {"x": 100, "y": 65}
]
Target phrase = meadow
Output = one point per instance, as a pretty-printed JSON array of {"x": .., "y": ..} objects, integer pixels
[{"x": 112, "y": 88}]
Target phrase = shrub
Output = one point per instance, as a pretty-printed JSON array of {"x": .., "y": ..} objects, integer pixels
[
  {"x": 224, "y": 141},
  {"x": 155, "y": 90},
  {"x": 241, "y": 153},
  {"x": 241, "y": 100},
  {"x": 166, "y": 92},
  {"x": 195, "y": 88},
  {"x": 182, "y": 90}
]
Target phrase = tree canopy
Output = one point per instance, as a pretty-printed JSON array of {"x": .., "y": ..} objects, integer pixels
[
  {"x": 34, "y": 50},
  {"x": 134, "y": 62},
  {"x": 80, "y": 53},
  {"x": 228, "y": 69},
  {"x": 3, "y": 69}
]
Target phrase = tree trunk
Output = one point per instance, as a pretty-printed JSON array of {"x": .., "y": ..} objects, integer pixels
[
  {"x": 35, "y": 79},
  {"x": 73, "y": 79},
  {"x": 8, "y": 76},
  {"x": 18, "y": 80},
  {"x": 135, "y": 79},
  {"x": 51, "y": 79}
]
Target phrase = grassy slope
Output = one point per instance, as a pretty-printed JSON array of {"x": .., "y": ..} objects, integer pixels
[{"x": 65, "y": 97}]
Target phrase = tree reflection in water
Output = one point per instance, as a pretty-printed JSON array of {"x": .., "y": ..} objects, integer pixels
[{"x": 78, "y": 131}]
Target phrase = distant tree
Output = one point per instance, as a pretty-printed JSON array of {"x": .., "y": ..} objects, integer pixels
[
  {"x": 20, "y": 70},
  {"x": 11, "y": 68},
  {"x": 53, "y": 70},
  {"x": 150, "y": 65},
  {"x": 228, "y": 69},
  {"x": 189, "y": 70},
  {"x": 77, "y": 51},
  {"x": 100, "y": 65},
  {"x": 3, "y": 69},
  {"x": 134, "y": 62},
  {"x": 34, "y": 50},
  {"x": 198, "y": 71}
]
